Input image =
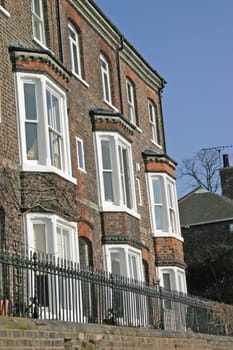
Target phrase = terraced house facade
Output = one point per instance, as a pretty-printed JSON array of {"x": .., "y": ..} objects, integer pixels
[{"x": 85, "y": 172}]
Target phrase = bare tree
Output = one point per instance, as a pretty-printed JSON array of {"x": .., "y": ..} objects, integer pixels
[{"x": 202, "y": 170}]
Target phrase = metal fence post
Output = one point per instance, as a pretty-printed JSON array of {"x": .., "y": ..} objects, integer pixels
[{"x": 35, "y": 310}]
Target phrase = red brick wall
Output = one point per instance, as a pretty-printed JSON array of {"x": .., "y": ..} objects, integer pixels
[{"x": 169, "y": 251}]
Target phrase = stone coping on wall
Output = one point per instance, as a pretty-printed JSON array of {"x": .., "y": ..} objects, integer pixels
[{"x": 65, "y": 335}]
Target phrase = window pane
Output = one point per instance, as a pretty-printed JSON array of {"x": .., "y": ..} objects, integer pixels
[
  {"x": 157, "y": 191},
  {"x": 106, "y": 156},
  {"x": 30, "y": 101},
  {"x": 115, "y": 263},
  {"x": 53, "y": 111},
  {"x": 103, "y": 64},
  {"x": 31, "y": 141},
  {"x": 39, "y": 237},
  {"x": 127, "y": 179},
  {"x": 37, "y": 7},
  {"x": 63, "y": 243},
  {"x": 129, "y": 90},
  {"x": 158, "y": 217},
  {"x": 133, "y": 267},
  {"x": 108, "y": 189},
  {"x": 166, "y": 281},
  {"x": 71, "y": 34},
  {"x": 106, "y": 87},
  {"x": 55, "y": 149},
  {"x": 84, "y": 252},
  {"x": 75, "y": 59}
]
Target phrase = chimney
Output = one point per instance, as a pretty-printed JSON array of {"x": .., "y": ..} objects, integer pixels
[
  {"x": 226, "y": 163},
  {"x": 226, "y": 176}
]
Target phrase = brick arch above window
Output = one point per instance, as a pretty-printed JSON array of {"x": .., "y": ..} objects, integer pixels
[{"x": 85, "y": 229}]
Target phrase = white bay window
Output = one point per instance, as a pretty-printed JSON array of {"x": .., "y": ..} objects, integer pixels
[
  {"x": 115, "y": 170},
  {"x": 43, "y": 125},
  {"x": 49, "y": 234},
  {"x": 163, "y": 205},
  {"x": 124, "y": 260},
  {"x": 55, "y": 240}
]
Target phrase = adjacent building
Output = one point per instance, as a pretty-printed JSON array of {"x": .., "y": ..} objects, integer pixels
[
  {"x": 207, "y": 226},
  {"x": 85, "y": 173}
]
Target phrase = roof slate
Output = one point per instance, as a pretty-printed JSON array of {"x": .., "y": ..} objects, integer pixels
[{"x": 201, "y": 206}]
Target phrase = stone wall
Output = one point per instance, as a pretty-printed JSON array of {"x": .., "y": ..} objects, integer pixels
[{"x": 25, "y": 334}]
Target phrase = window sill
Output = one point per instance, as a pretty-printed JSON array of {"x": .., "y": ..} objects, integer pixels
[
  {"x": 111, "y": 106},
  {"x": 43, "y": 46},
  {"x": 168, "y": 235},
  {"x": 115, "y": 209},
  {"x": 5, "y": 12},
  {"x": 47, "y": 169},
  {"x": 82, "y": 170},
  {"x": 80, "y": 79},
  {"x": 156, "y": 144}
]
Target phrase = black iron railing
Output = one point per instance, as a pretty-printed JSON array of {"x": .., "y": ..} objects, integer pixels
[{"x": 45, "y": 287}]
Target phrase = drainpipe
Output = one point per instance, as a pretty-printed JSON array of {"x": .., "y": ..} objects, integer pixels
[
  {"x": 59, "y": 27},
  {"x": 120, "y": 48},
  {"x": 161, "y": 113}
]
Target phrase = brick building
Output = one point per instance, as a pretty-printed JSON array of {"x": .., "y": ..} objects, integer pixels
[{"x": 85, "y": 173}]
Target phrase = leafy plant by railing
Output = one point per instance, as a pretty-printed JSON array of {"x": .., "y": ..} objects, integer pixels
[{"x": 221, "y": 316}]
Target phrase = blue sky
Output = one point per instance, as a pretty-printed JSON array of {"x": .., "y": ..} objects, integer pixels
[{"x": 189, "y": 43}]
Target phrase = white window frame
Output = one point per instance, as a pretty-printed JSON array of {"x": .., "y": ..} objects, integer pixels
[
  {"x": 58, "y": 127},
  {"x": 105, "y": 76},
  {"x": 119, "y": 202},
  {"x": 126, "y": 252},
  {"x": 4, "y": 11},
  {"x": 130, "y": 89},
  {"x": 75, "y": 46},
  {"x": 38, "y": 19},
  {"x": 153, "y": 122},
  {"x": 51, "y": 222},
  {"x": 80, "y": 154},
  {"x": 168, "y": 228},
  {"x": 174, "y": 314},
  {"x": 177, "y": 277}
]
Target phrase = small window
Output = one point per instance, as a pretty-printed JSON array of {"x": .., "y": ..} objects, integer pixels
[
  {"x": 153, "y": 122},
  {"x": 38, "y": 21},
  {"x": 80, "y": 154},
  {"x": 131, "y": 101},
  {"x": 74, "y": 51},
  {"x": 105, "y": 79},
  {"x": 85, "y": 252}
]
